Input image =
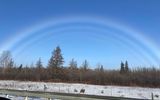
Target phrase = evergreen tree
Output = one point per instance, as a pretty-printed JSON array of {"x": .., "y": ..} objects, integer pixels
[
  {"x": 55, "y": 64},
  {"x": 85, "y": 65},
  {"x": 122, "y": 70},
  {"x": 83, "y": 70},
  {"x": 73, "y": 70},
  {"x": 39, "y": 64},
  {"x": 101, "y": 69},
  {"x": 56, "y": 59},
  {"x": 126, "y": 66},
  {"x": 101, "y": 75},
  {"x": 20, "y": 67}
]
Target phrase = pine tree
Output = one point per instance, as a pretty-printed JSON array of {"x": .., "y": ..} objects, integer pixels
[
  {"x": 99, "y": 74},
  {"x": 126, "y": 67},
  {"x": 102, "y": 75},
  {"x": 85, "y": 65},
  {"x": 122, "y": 70},
  {"x": 101, "y": 69},
  {"x": 39, "y": 64},
  {"x": 20, "y": 67},
  {"x": 73, "y": 70},
  {"x": 56, "y": 59},
  {"x": 83, "y": 70},
  {"x": 55, "y": 64}
]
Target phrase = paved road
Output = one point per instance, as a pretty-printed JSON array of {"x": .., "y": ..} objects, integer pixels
[{"x": 61, "y": 96}]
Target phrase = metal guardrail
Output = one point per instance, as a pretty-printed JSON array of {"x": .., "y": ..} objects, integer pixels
[{"x": 62, "y": 96}]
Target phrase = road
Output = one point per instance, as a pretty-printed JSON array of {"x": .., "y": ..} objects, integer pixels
[{"x": 61, "y": 96}]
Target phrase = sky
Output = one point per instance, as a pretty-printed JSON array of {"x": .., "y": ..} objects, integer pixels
[{"x": 101, "y": 31}]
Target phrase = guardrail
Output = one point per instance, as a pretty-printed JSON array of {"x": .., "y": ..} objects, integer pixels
[{"x": 62, "y": 96}]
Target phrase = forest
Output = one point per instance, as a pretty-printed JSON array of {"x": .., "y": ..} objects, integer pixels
[{"x": 55, "y": 71}]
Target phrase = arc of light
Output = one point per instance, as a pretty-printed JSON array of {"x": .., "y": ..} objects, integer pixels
[
  {"x": 141, "y": 38},
  {"x": 65, "y": 29}
]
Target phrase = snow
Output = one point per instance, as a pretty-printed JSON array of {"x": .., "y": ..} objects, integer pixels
[
  {"x": 101, "y": 90},
  {"x": 21, "y": 98}
]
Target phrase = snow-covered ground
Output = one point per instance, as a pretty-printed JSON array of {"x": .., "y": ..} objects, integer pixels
[
  {"x": 21, "y": 98},
  {"x": 116, "y": 91}
]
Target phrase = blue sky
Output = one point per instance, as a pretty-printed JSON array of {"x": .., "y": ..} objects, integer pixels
[{"x": 91, "y": 40}]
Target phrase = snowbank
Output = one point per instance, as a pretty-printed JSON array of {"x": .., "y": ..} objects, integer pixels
[{"x": 116, "y": 91}]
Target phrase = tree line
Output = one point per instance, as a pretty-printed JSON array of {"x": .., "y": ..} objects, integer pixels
[{"x": 56, "y": 72}]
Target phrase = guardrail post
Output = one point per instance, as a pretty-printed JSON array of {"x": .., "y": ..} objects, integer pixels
[
  {"x": 152, "y": 96},
  {"x": 26, "y": 98}
]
